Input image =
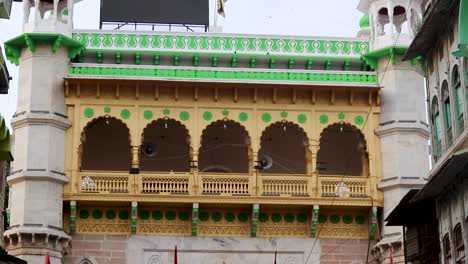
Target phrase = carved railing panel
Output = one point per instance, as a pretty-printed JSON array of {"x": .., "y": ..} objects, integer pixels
[
  {"x": 358, "y": 186},
  {"x": 226, "y": 184},
  {"x": 282, "y": 185},
  {"x": 165, "y": 183},
  {"x": 101, "y": 182}
]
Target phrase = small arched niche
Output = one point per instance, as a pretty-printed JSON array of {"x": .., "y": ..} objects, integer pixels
[
  {"x": 105, "y": 145},
  {"x": 286, "y": 144},
  {"x": 165, "y": 147},
  {"x": 225, "y": 147},
  {"x": 399, "y": 19},
  {"x": 383, "y": 22},
  {"x": 342, "y": 151}
]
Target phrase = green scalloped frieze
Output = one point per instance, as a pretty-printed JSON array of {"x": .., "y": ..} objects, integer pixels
[
  {"x": 359, "y": 120},
  {"x": 368, "y": 78},
  {"x": 88, "y": 112},
  {"x": 207, "y": 115},
  {"x": 371, "y": 58},
  {"x": 243, "y": 116},
  {"x": 225, "y": 112},
  {"x": 166, "y": 111},
  {"x": 221, "y": 44},
  {"x": 125, "y": 114},
  {"x": 301, "y": 118},
  {"x": 266, "y": 117},
  {"x": 323, "y": 119},
  {"x": 284, "y": 114},
  {"x": 107, "y": 109},
  {"x": 148, "y": 114},
  {"x": 13, "y": 47},
  {"x": 184, "y": 115},
  {"x": 341, "y": 116}
]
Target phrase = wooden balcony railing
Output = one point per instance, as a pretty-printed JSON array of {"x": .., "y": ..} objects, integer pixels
[{"x": 202, "y": 184}]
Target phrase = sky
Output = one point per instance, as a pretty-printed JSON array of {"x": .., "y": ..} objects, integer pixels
[{"x": 337, "y": 18}]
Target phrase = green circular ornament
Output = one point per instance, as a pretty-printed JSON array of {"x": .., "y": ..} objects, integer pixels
[
  {"x": 97, "y": 214},
  {"x": 107, "y": 109},
  {"x": 157, "y": 215},
  {"x": 243, "y": 116},
  {"x": 170, "y": 215},
  {"x": 301, "y": 218},
  {"x": 184, "y": 115},
  {"x": 243, "y": 217},
  {"x": 266, "y": 117},
  {"x": 148, "y": 114},
  {"x": 341, "y": 115},
  {"x": 84, "y": 214},
  {"x": 123, "y": 215},
  {"x": 89, "y": 112},
  {"x": 360, "y": 219},
  {"x": 183, "y": 216},
  {"x": 289, "y": 217},
  {"x": 216, "y": 216},
  {"x": 110, "y": 214},
  {"x": 276, "y": 218},
  {"x": 125, "y": 114},
  {"x": 230, "y": 217},
  {"x": 166, "y": 111},
  {"x": 323, "y": 119},
  {"x": 335, "y": 219},
  {"x": 207, "y": 115},
  {"x": 322, "y": 218},
  {"x": 225, "y": 112},
  {"x": 144, "y": 214},
  {"x": 263, "y": 217},
  {"x": 359, "y": 120},
  {"x": 284, "y": 114},
  {"x": 302, "y": 118},
  {"x": 204, "y": 216},
  {"x": 347, "y": 219}
]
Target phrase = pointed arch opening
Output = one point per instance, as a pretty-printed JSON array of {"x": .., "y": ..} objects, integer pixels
[
  {"x": 436, "y": 129},
  {"x": 165, "y": 147},
  {"x": 459, "y": 102},
  {"x": 447, "y": 113},
  {"x": 287, "y": 145},
  {"x": 400, "y": 19},
  {"x": 225, "y": 148},
  {"x": 105, "y": 145},
  {"x": 342, "y": 151}
]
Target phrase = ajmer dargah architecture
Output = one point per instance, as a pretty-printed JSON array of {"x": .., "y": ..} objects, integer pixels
[{"x": 234, "y": 148}]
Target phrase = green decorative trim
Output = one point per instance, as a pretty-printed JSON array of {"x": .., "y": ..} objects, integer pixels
[
  {"x": 301, "y": 118},
  {"x": 225, "y": 112},
  {"x": 166, "y": 111},
  {"x": 110, "y": 214},
  {"x": 347, "y": 219},
  {"x": 204, "y": 216},
  {"x": 341, "y": 116},
  {"x": 276, "y": 218},
  {"x": 335, "y": 219},
  {"x": 157, "y": 215},
  {"x": 289, "y": 218},
  {"x": 372, "y": 58},
  {"x": 322, "y": 218},
  {"x": 301, "y": 218},
  {"x": 84, "y": 214},
  {"x": 365, "y": 78},
  {"x": 88, "y": 112},
  {"x": 65, "y": 11},
  {"x": 230, "y": 217},
  {"x": 323, "y": 119},
  {"x": 360, "y": 219},
  {"x": 125, "y": 114},
  {"x": 462, "y": 30},
  {"x": 148, "y": 114},
  {"x": 216, "y": 216},
  {"x": 144, "y": 214},
  {"x": 207, "y": 115},
  {"x": 184, "y": 115},
  {"x": 184, "y": 216},
  {"x": 107, "y": 109},
  {"x": 214, "y": 44},
  {"x": 359, "y": 120},
  {"x": 266, "y": 117},
  {"x": 170, "y": 215},
  {"x": 243, "y": 116},
  {"x": 97, "y": 214},
  {"x": 263, "y": 217},
  {"x": 284, "y": 114},
  {"x": 5, "y": 141},
  {"x": 123, "y": 215},
  {"x": 243, "y": 217},
  {"x": 13, "y": 47}
]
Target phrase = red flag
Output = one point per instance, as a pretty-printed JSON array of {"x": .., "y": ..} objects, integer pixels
[
  {"x": 275, "y": 257},
  {"x": 47, "y": 258},
  {"x": 175, "y": 255},
  {"x": 391, "y": 255}
]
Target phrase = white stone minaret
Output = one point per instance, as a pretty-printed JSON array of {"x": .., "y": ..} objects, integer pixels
[
  {"x": 40, "y": 122},
  {"x": 403, "y": 129}
]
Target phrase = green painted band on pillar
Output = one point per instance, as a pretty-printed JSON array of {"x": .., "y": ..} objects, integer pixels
[{"x": 462, "y": 30}]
